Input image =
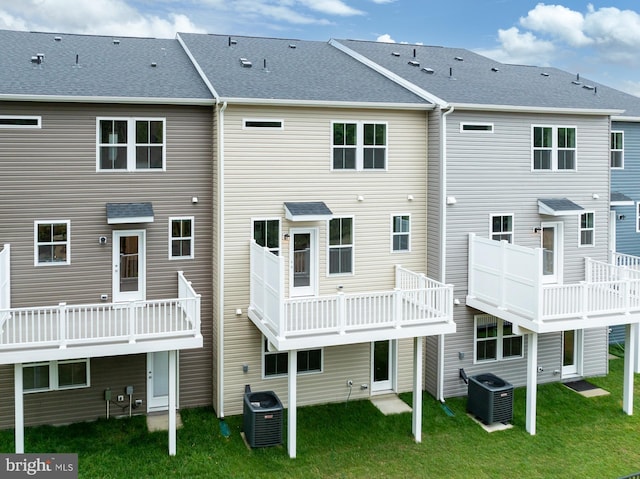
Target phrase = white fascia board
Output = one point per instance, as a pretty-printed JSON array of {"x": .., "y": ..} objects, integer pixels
[
  {"x": 110, "y": 99},
  {"x": 412, "y": 87},
  {"x": 629, "y": 119},
  {"x": 534, "y": 109},
  {"x": 204, "y": 77},
  {"x": 327, "y": 104},
  {"x": 622, "y": 203},
  {"x": 130, "y": 220}
]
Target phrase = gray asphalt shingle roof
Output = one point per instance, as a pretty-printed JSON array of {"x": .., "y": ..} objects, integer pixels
[
  {"x": 104, "y": 68},
  {"x": 295, "y": 70}
]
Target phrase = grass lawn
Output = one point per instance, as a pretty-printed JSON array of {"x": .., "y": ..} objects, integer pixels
[{"x": 576, "y": 437}]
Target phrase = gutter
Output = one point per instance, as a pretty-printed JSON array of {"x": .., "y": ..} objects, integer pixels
[
  {"x": 109, "y": 99},
  {"x": 327, "y": 103},
  {"x": 536, "y": 109}
]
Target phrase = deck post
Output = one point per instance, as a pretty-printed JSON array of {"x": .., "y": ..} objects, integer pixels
[
  {"x": 417, "y": 389},
  {"x": 629, "y": 358},
  {"x": 532, "y": 382},
  {"x": 172, "y": 401},
  {"x": 19, "y": 408},
  {"x": 292, "y": 418}
]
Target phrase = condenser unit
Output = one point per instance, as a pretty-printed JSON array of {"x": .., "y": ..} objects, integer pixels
[
  {"x": 262, "y": 420},
  {"x": 490, "y": 398}
]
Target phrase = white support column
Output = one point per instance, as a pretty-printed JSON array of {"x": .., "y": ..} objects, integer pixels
[
  {"x": 19, "y": 408},
  {"x": 629, "y": 359},
  {"x": 532, "y": 382},
  {"x": 172, "y": 401},
  {"x": 417, "y": 389},
  {"x": 292, "y": 419}
]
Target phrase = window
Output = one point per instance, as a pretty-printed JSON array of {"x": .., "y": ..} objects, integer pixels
[
  {"x": 181, "y": 238},
  {"x": 617, "y": 149},
  {"x": 495, "y": 339},
  {"x": 359, "y": 146},
  {"x": 130, "y": 144},
  {"x": 554, "y": 148},
  {"x": 587, "y": 229},
  {"x": 11, "y": 121},
  {"x": 266, "y": 124},
  {"x": 267, "y": 234},
  {"x": 401, "y": 233},
  {"x": 480, "y": 127},
  {"x": 341, "y": 245},
  {"x": 502, "y": 228},
  {"x": 55, "y": 375},
  {"x": 52, "y": 243},
  {"x": 277, "y": 363}
]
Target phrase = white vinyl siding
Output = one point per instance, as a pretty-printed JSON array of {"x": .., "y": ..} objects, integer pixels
[
  {"x": 130, "y": 144},
  {"x": 52, "y": 242},
  {"x": 181, "y": 237}
]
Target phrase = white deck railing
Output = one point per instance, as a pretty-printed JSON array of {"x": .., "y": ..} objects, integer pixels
[
  {"x": 65, "y": 325},
  {"x": 510, "y": 277},
  {"x": 5, "y": 276},
  {"x": 415, "y": 300}
]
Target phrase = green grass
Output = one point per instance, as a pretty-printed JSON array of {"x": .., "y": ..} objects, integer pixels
[{"x": 576, "y": 437}]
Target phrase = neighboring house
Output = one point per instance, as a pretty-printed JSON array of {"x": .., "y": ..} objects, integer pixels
[
  {"x": 105, "y": 229},
  {"x": 321, "y": 226},
  {"x": 519, "y": 155}
]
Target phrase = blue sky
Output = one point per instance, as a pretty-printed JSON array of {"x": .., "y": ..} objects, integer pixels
[{"x": 599, "y": 40}]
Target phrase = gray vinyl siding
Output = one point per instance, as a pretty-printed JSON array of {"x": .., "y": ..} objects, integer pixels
[
  {"x": 263, "y": 169},
  {"x": 490, "y": 173},
  {"x": 50, "y": 174}
]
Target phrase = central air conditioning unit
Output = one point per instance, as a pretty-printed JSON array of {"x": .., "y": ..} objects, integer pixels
[
  {"x": 490, "y": 398},
  {"x": 262, "y": 419}
]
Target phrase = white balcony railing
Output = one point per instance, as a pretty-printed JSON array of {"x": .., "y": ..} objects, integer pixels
[
  {"x": 416, "y": 301},
  {"x": 508, "y": 278}
]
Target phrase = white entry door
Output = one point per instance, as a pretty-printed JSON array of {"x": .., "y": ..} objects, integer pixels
[
  {"x": 158, "y": 381},
  {"x": 303, "y": 269},
  {"x": 383, "y": 366},
  {"x": 551, "y": 243},
  {"x": 129, "y": 265}
]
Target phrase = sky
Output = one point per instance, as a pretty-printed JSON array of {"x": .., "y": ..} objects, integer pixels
[{"x": 598, "y": 40}]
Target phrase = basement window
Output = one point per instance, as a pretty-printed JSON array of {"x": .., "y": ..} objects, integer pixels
[
  {"x": 11, "y": 121},
  {"x": 482, "y": 127},
  {"x": 263, "y": 124},
  {"x": 55, "y": 375}
]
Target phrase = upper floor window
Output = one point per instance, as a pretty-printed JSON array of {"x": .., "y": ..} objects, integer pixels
[
  {"x": 495, "y": 339},
  {"x": 401, "y": 233},
  {"x": 359, "y": 146},
  {"x": 502, "y": 228},
  {"x": 554, "y": 148},
  {"x": 181, "y": 238},
  {"x": 15, "y": 121},
  {"x": 340, "y": 245},
  {"x": 54, "y": 375},
  {"x": 267, "y": 234},
  {"x": 131, "y": 144},
  {"x": 52, "y": 242},
  {"x": 587, "y": 237},
  {"x": 617, "y": 149}
]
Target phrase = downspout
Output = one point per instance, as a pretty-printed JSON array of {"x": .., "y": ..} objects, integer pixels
[
  {"x": 220, "y": 237},
  {"x": 443, "y": 236}
]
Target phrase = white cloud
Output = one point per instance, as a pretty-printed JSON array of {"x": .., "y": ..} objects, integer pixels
[
  {"x": 386, "y": 38},
  {"x": 559, "y": 22},
  {"x": 381, "y": 2},
  {"x": 331, "y": 7},
  {"x": 523, "y": 48},
  {"x": 614, "y": 27}
]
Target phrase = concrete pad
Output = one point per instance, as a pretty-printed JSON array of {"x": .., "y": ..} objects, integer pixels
[
  {"x": 496, "y": 426},
  {"x": 591, "y": 393},
  {"x": 160, "y": 421},
  {"x": 390, "y": 404}
]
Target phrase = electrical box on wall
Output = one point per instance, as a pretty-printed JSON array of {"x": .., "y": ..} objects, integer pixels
[{"x": 129, "y": 390}]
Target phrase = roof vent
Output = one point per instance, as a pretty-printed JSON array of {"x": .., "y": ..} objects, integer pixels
[
  {"x": 37, "y": 59},
  {"x": 57, "y": 39},
  {"x": 245, "y": 63},
  {"x": 395, "y": 54},
  {"x": 154, "y": 64},
  {"x": 459, "y": 59},
  {"x": 414, "y": 63},
  {"x": 430, "y": 71},
  {"x": 576, "y": 82},
  {"x": 293, "y": 46},
  {"x": 116, "y": 41},
  {"x": 232, "y": 41},
  {"x": 494, "y": 69},
  {"x": 588, "y": 87},
  {"x": 544, "y": 74}
]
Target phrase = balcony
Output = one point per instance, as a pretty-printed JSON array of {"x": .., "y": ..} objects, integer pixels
[
  {"x": 417, "y": 306},
  {"x": 507, "y": 281},
  {"x": 63, "y": 331}
]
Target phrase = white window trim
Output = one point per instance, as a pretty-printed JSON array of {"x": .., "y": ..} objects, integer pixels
[
  {"x": 499, "y": 338},
  {"x": 476, "y": 123},
  {"x": 513, "y": 225},
  {"x": 260, "y": 128},
  {"x": 36, "y": 261},
  {"x": 580, "y": 230},
  {"x": 192, "y": 237},
  {"x": 638, "y": 217},
  {"x": 400, "y": 251},
  {"x": 360, "y": 146},
  {"x": 21, "y": 117},
  {"x": 131, "y": 144},
  {"x": 54, "y": 375},
  {"x": 353, "y": 247},
  {"x": 299, "y": 373},
  {"x": 621, "y": 150},
  {"x": 554, "y": 148},
  {"x": 279, "y": 248}
]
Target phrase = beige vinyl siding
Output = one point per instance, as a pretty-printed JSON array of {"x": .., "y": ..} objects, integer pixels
[
  {"x": 50, "y": 174},
  {"x": 265, "y": 168},
  {"x": 490, "y": 173}
]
